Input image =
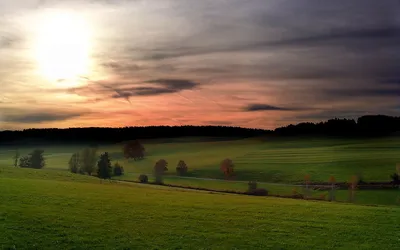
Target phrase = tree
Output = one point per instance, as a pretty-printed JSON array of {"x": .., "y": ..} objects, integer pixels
[
  {"x": 75, "y": 163},
  {"x": 306, "y": 191},
  {"x": 16, "y": 157},
  {"x": 226, "y": 167},
  {"x": 352, "y": 187},
  {"x": 159, "y": 169},
  {"x": 104, "y": 168},
  {"x": 88, "y": 160},
  {"x": 118, "y": 170},
  {"x": 181, "y": 168},
  {"x": 34, "y": 160},
  {"x": 134, "y": 150},
  {"x": 332, "y": 180}
]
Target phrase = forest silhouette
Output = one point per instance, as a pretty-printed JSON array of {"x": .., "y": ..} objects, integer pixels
[{"x": 365, "y": 126}]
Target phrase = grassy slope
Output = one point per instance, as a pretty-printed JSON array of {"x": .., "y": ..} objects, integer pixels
[
  {"x": 272, "y": 160},
  {"x": 62, "y": 213}
]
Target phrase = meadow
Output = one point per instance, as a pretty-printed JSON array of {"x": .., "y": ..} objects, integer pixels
[
  {"x": 54, "y": 209},
  {"x": 278, "y": 164}
]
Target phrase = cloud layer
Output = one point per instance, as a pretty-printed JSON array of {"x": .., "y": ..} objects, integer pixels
[{"x": 247, "y": 63}]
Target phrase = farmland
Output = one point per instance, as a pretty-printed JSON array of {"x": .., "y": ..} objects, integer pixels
[
  {"x": 50, "y": 209},
  {"x": 267, "y": 160},
  {"x": 276, "y": 164}
]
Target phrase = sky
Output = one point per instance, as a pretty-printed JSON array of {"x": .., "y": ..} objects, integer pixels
[{"x": 255, "y": 63}]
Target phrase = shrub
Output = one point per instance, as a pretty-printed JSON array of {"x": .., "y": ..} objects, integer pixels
[
  {"x": 24, "y": 162},
  {"x": 258, "y": 192},
  {"x": 118, "y": 170},
  {"x": 182, "y": 168},
  {"x": 395, "y": 178},
  {"x": 143, "y": 178},
  {"x": 252, "y": 185}
]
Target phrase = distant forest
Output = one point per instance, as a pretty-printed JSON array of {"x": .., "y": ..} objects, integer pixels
[{"x": 365, "y": 126}]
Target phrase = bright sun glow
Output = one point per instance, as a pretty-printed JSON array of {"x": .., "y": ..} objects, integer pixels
[{"x": 63, "y": 46}]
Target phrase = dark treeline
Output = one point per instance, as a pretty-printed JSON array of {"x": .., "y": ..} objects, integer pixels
[
  {"x": 365, "y": 126},
  {"x": 378, "y": 125},
  {"x": 109, "y": 135}
]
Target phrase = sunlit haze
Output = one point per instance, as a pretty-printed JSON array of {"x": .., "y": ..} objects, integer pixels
[{"x": 258, "y": 63}]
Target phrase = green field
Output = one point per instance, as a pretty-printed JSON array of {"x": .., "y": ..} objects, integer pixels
[
  {"x": 269, "y": 160},
  {"x": 50, "y": 209}
]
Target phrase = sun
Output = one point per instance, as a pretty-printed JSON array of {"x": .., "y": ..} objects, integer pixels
[{"x": 63, "y": 46}]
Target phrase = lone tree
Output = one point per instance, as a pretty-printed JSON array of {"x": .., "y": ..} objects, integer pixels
[
  {"x": 104, "y": 168},
  {"x": 226, "y": 167},
  {"x": 33, "y": 160},
  {"x": 88, "y": 160},
  {"x": 16, "y": 157},
  {"x": 134, "y": 150},
  {"x": 118, "y": 170},
  {"x": 352, "y": 187},
  {"x": 181, "y": 168},
  {"x": 159, "y": 169},
  {"x": 75, "y": 163}
]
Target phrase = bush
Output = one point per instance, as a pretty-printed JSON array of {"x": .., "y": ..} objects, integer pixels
[
  {"x": 252, "y": 185},
  {"x": 258, "y": 192},
  {"x": 395, "y": 178},
  {"x": 24, "y": 162},
  {"x": 118, "y": 170},
  {"x": 143, "y": 178}
]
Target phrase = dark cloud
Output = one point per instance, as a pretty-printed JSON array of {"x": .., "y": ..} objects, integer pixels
[
  {"x": 21, "y": 116},
  {"x": 160, "y": 86},
  {"x": 267, "y": 107},
  {"x": 340, "y": 37},
  {"x": 363, "y": 92},
  {"x": 127, "y": 90}
]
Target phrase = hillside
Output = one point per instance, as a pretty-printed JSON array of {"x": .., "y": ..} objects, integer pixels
[{"x": 47, "y": 209}]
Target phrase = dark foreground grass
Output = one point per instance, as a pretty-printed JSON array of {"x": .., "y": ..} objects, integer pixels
[{"x": 63, "y": 213}]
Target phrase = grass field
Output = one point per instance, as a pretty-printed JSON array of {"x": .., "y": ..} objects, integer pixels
[
  {"x": 50, "y": 209},
  {"x": 270, "y": 160}
]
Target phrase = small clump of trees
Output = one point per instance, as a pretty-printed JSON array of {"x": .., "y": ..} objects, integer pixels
[
  {"x": 33, "y": 160},
  {"x": 87, "y": 162},
  {"x": 134, "y": 150},
  {"x": 84, "y": 162},
  {"x": 181, "y": 168}
]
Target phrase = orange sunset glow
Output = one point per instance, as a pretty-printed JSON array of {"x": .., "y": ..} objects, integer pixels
[{"x": 135, "y": 63}]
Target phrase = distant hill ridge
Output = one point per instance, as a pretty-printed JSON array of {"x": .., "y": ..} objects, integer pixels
[{"x": 366, "y": 126}]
